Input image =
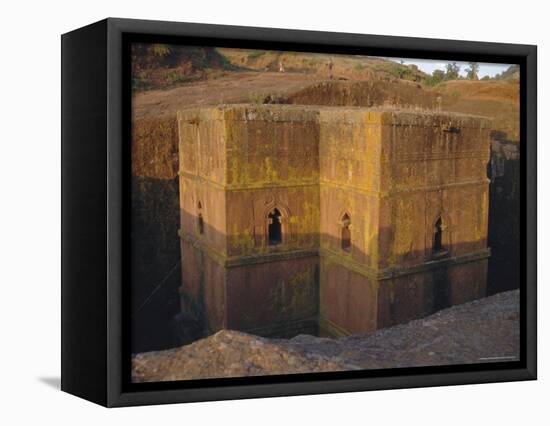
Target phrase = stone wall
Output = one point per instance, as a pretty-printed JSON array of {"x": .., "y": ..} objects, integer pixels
[
  {"x": 154, "y": 242},
  {"x": 382, "y": 176},
  {"x": 433, "y": 166},
  {"x": 276, "y": 298},
  {"x": 238, "y": 164},
  {"x": 394, "y": 173},
  {"x": 350, "y": 152},
  {"x": 504, "y": 214},
  {"x": 498, "y": 100},
  {"x": 310, "y": 182},
  {"x": 348, "y": 297}
]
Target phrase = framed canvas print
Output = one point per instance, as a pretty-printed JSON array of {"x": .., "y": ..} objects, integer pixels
[{"x": 252, "y": 212}]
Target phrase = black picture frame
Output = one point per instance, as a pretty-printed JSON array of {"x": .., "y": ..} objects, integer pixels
[{"x": 95, "y": 185}]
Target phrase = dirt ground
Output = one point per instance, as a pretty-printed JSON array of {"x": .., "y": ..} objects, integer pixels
[
  {"x": 498, "y": 100},
  {"x": 485, "y": 330},
  {"x": 239, "y": 87}
]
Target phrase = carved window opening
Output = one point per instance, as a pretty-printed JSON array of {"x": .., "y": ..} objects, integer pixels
[
  {"x": 346, "y": 233},
  {"x": 438, "y": 236},
  {"x": 275, "y": 234},
  {"x": 200, "y": 220}
]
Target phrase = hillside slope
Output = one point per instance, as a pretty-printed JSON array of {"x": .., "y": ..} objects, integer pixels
[{"x": 337, "y": 66}]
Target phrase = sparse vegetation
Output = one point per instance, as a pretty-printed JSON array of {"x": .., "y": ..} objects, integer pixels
[
  {"x": 176, "y": 77},
  {"x": 214, "y": 74},
  {"x": 312, "y": 61},
  {"x": 139, "y": 84},
  {"x": 157, "y": 66},
  {"x": 160, "y": 50},
  {"x": 226, "y": 63},
  {"x": 255, "y": 54},
  {"x": 141, "y": 81},
  {"x": 266, "y": 98},
  {"x": 257, "y": 98}
]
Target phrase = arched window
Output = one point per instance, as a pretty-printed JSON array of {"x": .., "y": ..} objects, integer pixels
[
  {"x": 438, "y": 236},
  {"x": 346, "y": 233},
  {"x": 274, "y": 228},
  {"x": 201, "y": 224},
  {"x": 200, "y": 220}
]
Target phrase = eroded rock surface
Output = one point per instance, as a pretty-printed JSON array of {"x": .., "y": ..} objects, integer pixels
[
  {"x": 229, "y": 354},
  {"x": 485, "y": 330}
]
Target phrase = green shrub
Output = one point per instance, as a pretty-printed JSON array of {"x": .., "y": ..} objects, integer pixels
[
  {"x": 160, "y": 50},
  {"x": 437, "y": 77},
  {"x": 401, "y": 71},
  {"x": 140, "y": 84},
  {"x": 176, "y": 77},
  {"x": 141, "y": 81},
  {"x": 226, "y": 63}
]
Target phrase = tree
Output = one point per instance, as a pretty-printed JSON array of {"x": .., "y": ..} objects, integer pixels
[
  {"x": 452, "y": 71},
  {"x": 472, "y": 72},
  {"x": 437, "y": 77},
  {"x": 512, "y": 73}
]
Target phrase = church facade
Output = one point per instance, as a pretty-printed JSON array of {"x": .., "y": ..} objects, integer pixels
[{"x": 329, "y": 221}]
